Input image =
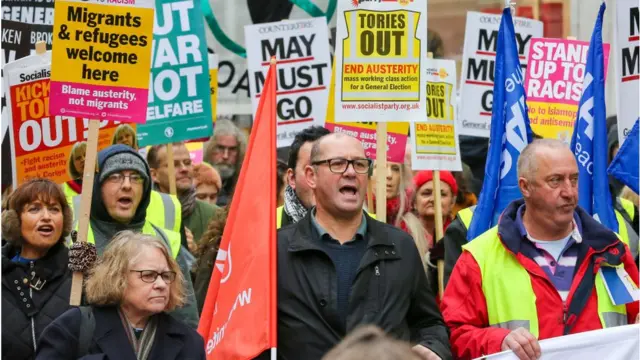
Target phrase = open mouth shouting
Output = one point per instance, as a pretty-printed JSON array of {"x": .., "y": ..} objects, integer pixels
[
  {"x": 45, "y": 230},
  {"x": 125, "y": 202},
  {"x": 349, "y": 192}
]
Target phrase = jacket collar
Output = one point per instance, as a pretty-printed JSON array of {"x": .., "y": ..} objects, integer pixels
[
  {"x": 302, "y": 238},
  {"x": 594, "y": 235},
  {"x": 49, "y": 267},
  {"x": 110, "y": 336}
]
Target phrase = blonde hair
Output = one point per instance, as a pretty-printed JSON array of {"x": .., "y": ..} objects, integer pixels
[
  {"x": 370, "y": 343},
  {"x": 71, "y": 167},
  {"x": 417, "y": 232},
  {"x": 121, "y": 130},
  {"x": 108, "y": 279},
  {"x": 405, "y": 184},
  {"x": 628, "y": 194}
]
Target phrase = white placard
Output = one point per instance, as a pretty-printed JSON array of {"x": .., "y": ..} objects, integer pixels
[
  {"x": 301, "y": 48},
  {"x": 478, "y": 64},
  {"x": 627, "y": 58},
  {"x": 380, "y": 52},
  {"x": 434, "y": 144}
]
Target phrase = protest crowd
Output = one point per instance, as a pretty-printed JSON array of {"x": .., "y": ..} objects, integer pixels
[{"x": 345, "y": 214}]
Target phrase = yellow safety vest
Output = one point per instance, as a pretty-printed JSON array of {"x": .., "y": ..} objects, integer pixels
[
  {"x": 172, "y": 238},
  {"x": 165, "y": 211},
  {"x": 69, "y": 193},
  {"x": 624, "y": 228},
  {"x": 628, "y": 207},
  {"x": 506, "y": 285},
  {"x": 280, "y": 209}
]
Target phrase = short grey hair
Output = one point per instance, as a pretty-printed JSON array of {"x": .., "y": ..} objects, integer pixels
[
  {"x": 527, "y": 164},
  {"x": 315, "y": 148}
]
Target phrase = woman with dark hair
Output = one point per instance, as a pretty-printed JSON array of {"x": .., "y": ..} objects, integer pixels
[
  {"x": 206, "y": 254},
  {"x": 36, "y": 282}
]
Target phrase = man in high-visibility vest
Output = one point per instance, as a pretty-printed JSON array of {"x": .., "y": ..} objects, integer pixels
[
  {"x": 121, "y": 193},
  {"x": 298, "y": 197},
  {"x": 547, "y": 269}
]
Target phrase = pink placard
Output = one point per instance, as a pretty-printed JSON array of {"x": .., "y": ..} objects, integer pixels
[
  {"x": 396, "y": 143},
  {"x": 109, "y": 103},
  {"x": 556, "y": 70}
]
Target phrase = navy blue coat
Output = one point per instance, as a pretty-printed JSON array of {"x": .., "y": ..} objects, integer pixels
[{"x": 174, "y": 340}]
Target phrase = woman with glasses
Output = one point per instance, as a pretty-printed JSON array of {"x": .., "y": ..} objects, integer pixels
[{"x": 130, "y": 290}]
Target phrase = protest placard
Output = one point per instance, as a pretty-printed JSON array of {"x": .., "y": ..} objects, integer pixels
[
  {"x": 627, "y": 30},
  {"x": 97, "y": 61},
  {"x": 41, "y": 144},
  {"x": 213, "y": 84},
  {"x": 554, "y": 85},
  {"x": 19, "y": 40},
  {"x": 478, "y": 64},
  {"x": 379, "y": 50},
  {"x": 179, "y": 94},
  {"x": 434, "y": 143},
  {"x": 28, "y": 11},
  {"x": 301, "y": 48},
  {"x": 366, "y": 132}
]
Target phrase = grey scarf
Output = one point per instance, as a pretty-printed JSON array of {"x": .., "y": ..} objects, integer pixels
[
  {"x": 188, "y": 202},
  {"x": 142, "y": 345},
  {"x": 292, "y": 205}
]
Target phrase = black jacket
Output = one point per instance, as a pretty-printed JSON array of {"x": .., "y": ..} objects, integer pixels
[
  {"x": 390, "y": 290},
  {"x": 454, "y": 237},
  {"x": 43, "y": 305},
  {"x": 174, "y": 340}
]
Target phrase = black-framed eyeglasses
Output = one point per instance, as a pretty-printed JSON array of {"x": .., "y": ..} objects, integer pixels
[
  {"x": 340, "y": 165},
  {"x": 150, "y": 276},
  {"x": 118, "y": 178}
]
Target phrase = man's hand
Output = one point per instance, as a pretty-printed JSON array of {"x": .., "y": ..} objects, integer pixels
[
  {"x": 523, "y": 344},
  {"x": 424, "y": 353}
]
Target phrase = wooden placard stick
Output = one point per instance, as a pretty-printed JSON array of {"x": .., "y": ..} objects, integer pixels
[
  {"x": 85, "y": 203},
  {"x": 437, "y": 206},
  {"x": 381, "y": 174},
  {"x": 171, "y": 169}
]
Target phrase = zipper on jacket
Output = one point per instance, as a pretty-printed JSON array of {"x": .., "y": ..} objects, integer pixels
[
  {"x": 377, "y": 270},
  {"x": 33, "y": 325},
  {"x": 565, "y": 314}
]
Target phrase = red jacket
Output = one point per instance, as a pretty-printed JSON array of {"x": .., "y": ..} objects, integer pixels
[{"x": 465, "y": 309}]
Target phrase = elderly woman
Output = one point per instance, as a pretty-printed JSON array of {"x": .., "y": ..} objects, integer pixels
[
  {"x": 36, "y": 282},
  {"x": 207, "y": 183},
  {"x": 75, "y": 169},
  {"x": 126, "y": 135},
  {"x": 130, "y": 290}
]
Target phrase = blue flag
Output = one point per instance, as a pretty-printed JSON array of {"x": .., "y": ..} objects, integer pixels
[
  {"x": 510, "y": 133},
  {"x": 624, "y": 166},
  {"x": 589, "y": 140}
]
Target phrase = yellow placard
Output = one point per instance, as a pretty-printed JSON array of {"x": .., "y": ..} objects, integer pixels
[
  {"x": 100, "y": 44},
  {"x": 213, "y": 86}
]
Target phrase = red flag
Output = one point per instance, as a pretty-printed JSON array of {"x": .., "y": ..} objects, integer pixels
[{"x": 239, "y": 316}]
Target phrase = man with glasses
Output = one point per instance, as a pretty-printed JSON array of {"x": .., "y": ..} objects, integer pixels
[
  {"x": 121, "y": 193},
  {"x": 195, "y": 214},
  {"x": 339, "y": 268},
  {"x": 225, "y": 152}
]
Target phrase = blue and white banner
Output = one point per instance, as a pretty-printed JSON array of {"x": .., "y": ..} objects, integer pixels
[
  {"x": 624, "y": 166},
  {"x": 510, "y": 133},
  {"x": 589, "y": 140}
]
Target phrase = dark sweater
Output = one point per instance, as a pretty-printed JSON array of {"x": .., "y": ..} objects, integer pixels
[{"x": 346, "y": 259}]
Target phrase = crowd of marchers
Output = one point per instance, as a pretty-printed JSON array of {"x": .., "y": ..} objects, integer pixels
[{"x": 149, "y": 255}]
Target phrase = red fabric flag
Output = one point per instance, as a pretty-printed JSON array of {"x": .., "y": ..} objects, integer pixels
[{"x": 239, "y": 316}]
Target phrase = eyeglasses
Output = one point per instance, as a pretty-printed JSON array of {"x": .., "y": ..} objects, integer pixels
[
  {"x": 340, "y": 165},
  {"x": 118, "y": 178},
  {"x": 150, "y": 276}
]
